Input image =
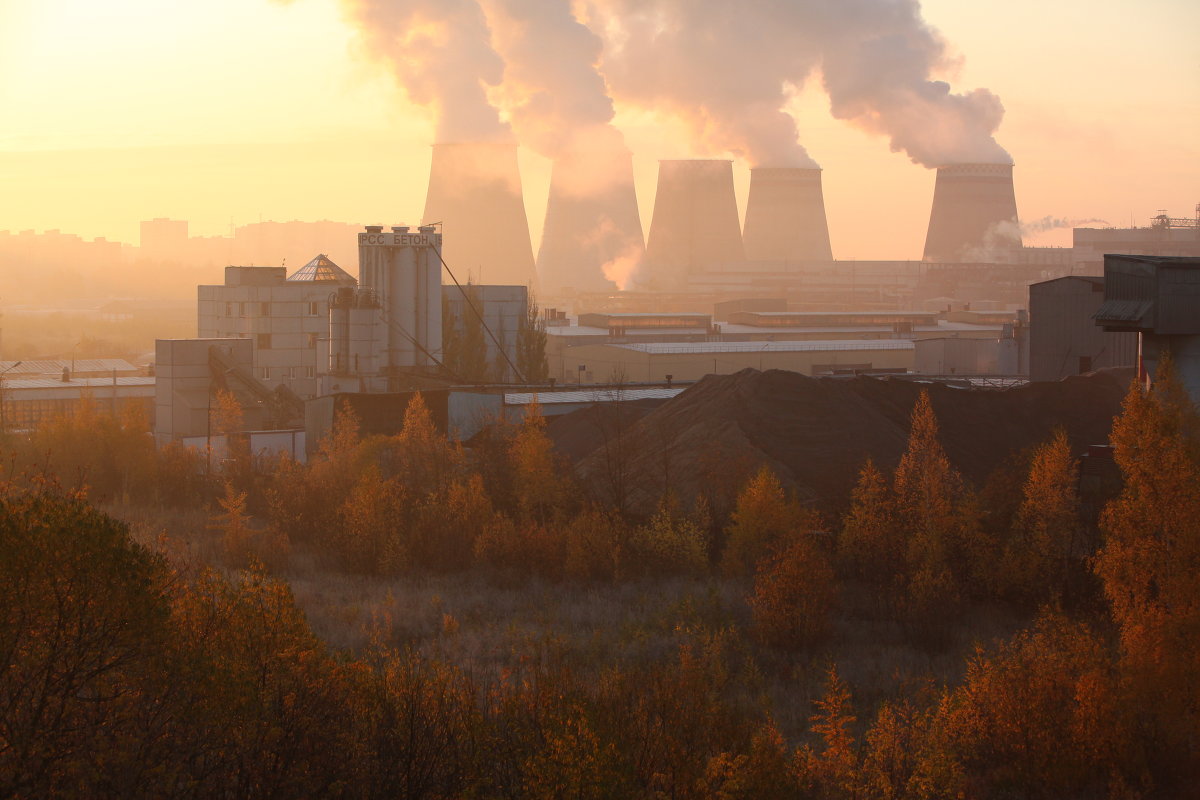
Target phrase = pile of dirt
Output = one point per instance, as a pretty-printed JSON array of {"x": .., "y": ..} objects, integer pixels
[{"x": 816, "y": 433}]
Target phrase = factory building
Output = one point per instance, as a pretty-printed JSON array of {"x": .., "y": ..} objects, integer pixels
[
  {"x": 26, "y": 402},
  {"x": 768, "y": 327},
  {"x": 652, "y": 362},
  {"x": 285, "y": 318},
  {"x": 1158, "y": 298},
  {"x": 1165, "y": 236},
  {"x": 1063, "y": 337}
]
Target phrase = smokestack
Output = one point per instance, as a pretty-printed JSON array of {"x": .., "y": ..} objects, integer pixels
[
  {"x": 785, "y": 216},
  {"x": 475, "y": 192},
  {"x": 592, "y": 240},
  {"x": 695, "y": 222},
  {"x": 974, "y": 214}
]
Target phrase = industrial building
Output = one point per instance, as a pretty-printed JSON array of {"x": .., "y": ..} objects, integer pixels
[
  {"x": 1158, "y": 298},
  {"x": 285, "y": 318},
  {"x": 565, "y": 343},
  {"x": 27, "y": 402},
  {"x": 647, "y": 362},
  {"x": 1063, "y": 337}
]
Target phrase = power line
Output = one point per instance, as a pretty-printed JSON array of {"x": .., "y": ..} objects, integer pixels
[{"x": 469, "y": 302}]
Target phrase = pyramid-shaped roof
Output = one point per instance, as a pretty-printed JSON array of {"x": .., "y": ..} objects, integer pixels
[{"x": 322, "y": 269}]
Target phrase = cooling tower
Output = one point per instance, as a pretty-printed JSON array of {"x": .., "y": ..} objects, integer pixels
[
  {"x": 475, "y": 192},
  {"x": 695, "y": 223},
  {"x": 974, "y": 214},
  {"x": 592, "y": 240},
  {"x": 785, "y": 216}
]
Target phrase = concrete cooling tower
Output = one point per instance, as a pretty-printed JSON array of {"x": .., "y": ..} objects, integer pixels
[
  {"x": 592, "y": 240},
  {"x": 475, "y": 192},
  {"x": 974, "y": 214},
  {"x": 695, "y": 224},
  {"x": 785, "y": 216}
]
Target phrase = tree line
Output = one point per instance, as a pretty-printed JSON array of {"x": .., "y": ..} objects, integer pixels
[{"x": 124, "y": 674}]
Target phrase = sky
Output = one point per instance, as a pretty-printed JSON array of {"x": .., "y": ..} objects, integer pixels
[{"x": 228, "y": 112}]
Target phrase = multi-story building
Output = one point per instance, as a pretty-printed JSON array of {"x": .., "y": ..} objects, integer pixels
[{"x": 286, "y": 318}]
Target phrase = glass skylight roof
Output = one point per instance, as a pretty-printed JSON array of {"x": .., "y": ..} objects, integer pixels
[{"x": 322, "y": 268}]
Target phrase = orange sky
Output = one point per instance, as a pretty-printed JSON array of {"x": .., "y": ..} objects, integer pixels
[{"x": 228, "y": 111}]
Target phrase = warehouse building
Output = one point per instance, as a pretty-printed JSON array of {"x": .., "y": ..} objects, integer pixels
[
  {"x": 1064, "y": 339},
  {"x": 649, "y": 362}
]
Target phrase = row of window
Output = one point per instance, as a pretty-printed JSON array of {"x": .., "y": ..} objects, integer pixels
[
  {"x": 263, "y": 309},
  {"x": 286, "y": 373}
]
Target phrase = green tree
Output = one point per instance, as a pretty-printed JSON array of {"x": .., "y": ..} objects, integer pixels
[{"x": 531, "y": 345}]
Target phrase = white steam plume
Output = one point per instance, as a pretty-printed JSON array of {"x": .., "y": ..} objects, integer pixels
[
  {"x": 878, "y": 60},
  {"x": 712, "y": 64},
  {"x": 442, "y": 56},
  {"x": 555, "y": 96},
  {"x": 728, "y": 69}
]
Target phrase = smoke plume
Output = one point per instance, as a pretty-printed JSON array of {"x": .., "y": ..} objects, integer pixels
[
  {"x": 729, "y": 70},
  {"x": 441, "y": 54},
  {"x": 715, "y": 65},
  {"x": 552, "y": 89}
]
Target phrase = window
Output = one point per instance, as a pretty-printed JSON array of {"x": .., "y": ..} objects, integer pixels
[
  {"x": 229, "y": 309},
  {"x": 312, "y": 340},
  {"x": 264, "y": 341},
  {"x": 310, "y": 372},
  {"x": 313, "y": 309},
  {"x": 265, "y": 373}
]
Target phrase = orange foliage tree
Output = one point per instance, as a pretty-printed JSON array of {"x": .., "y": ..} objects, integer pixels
[
  {"x": 1150, "y": 567},
  {"x": 764, "y": 519}
]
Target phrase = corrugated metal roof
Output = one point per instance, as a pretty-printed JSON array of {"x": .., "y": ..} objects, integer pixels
[
  {"x": 16, "y": 384},
  {"x": 1123, "y": 310},
  {"x": 814, "y": 346},
  {"x": 591, "y": 396},
  {"x": 52, "y": 366}
]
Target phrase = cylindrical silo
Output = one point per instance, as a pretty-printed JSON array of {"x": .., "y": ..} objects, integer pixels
[
  {"x": 785, "y": 216},
  {"x": 695, "y": 224},
  {"x": 475, "y": 192},
  {"x": 592, "y": 240},
  {"x": 974, "y": 214}
]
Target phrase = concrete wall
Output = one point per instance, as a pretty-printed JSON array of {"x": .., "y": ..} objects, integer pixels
[
  {"x": 183, "y": 384},
  {"x": 1064, "y": 339},
  {"x": 284, "y": 321}
]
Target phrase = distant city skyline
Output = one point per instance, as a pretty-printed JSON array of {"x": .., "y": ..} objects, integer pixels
[{"x": 233, "y": 111}]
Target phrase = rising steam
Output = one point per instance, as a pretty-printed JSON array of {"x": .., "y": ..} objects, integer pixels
[
  {"x": 729, "y": 70},
  {"x": 441, "y": 54},
  {"x": 715, "y": 65}
]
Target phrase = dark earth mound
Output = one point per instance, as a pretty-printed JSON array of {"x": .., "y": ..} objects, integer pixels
[{"x": 816, "y": 433}]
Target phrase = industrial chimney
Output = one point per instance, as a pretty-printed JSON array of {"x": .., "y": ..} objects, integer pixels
[
  {"x": 974, "y": 214},
  {"x": 785, "y": 216},
  {"x": 475, "y": 192},
  {"x": 695, "y": 222},
  {"x": 592, "y": 240}
]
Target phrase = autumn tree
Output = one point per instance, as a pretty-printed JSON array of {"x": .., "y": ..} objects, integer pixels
[
  {"x": 831, "y": 772},
  {"x": 542, "y": 485},
  {"x": 421, "y": 455},
  {"x": 1150, "y": 566},
  {"x": 871, "y": 545},
  {"x": 669, "y": 543},
  {"x": 794, "y": 593},
  {"x": 464, "y": 341},
  {"x": 764, "y": 519},
  {"x": 1036, "y": 563},
  {"x": 82, "y": 621},
  {"x": 926, "y": 489}
]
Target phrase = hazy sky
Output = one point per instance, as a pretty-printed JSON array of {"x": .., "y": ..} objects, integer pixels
[{"x": 227, "y": 111}]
